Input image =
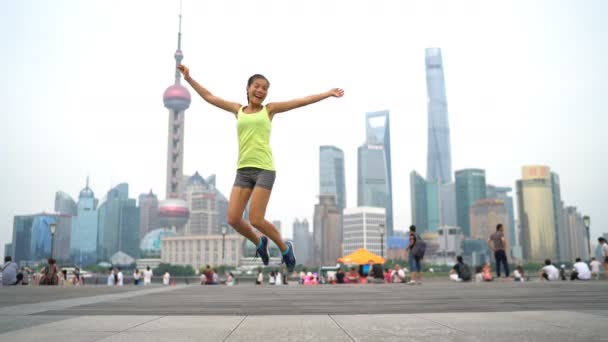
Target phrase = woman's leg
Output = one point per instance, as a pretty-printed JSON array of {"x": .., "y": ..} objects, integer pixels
[
  {"x": 238, "y": 201},
  {"x": 257, "y": 212}
]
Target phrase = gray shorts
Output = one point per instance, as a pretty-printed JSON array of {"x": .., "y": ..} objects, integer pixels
[{"x": 250, "y": 177}]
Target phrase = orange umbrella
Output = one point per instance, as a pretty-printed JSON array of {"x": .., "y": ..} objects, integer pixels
[{"x": 361, "y": 257}]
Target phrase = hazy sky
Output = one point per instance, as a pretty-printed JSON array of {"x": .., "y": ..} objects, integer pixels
[{"x": 82, "y": 81}]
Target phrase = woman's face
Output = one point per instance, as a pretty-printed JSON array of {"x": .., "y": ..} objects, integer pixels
[{"x": 257, "y": 91}]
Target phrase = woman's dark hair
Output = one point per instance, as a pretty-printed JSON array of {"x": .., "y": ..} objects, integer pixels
[
  {"x": 498, "y": 226},
  {"x": 412, "y": 228},
  {"x": 52, "y": 261},
  {"x": 601, "y": 239},
  {"x": 252, "y": 79},
  {"x": 459, "y": 259}
]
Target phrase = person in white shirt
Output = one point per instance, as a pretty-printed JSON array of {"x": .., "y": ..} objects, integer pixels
[
  {"x": 595, "y": 268},
  {"x": 147, "y": 276},
  {"x": 230, "y": 280},
  {"x": 518, "y": 274},
  {"x": 119, "y": 278},
  {"x": 279, "y": 279},
  {"x": 549, "y": 272},
  {"x": 166, "y": 278},
  {"x": 111, "y": 277},
  {"x": 581, "y": 271},
  {"x": 398, "y": 275}
]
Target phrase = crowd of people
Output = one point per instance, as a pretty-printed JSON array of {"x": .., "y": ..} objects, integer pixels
[{"x": 372, "y": 272}]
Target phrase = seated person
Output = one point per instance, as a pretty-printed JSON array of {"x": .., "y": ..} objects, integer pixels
[
  {"x": 460, "y": 271},
  {"x": 581, "y": 271},
  {"x": 518, "y": 274},
  {"x": 595, "y": 268},
  {"x": 352, "y": 276},
  {"x": 10, "y": 272},
  {"x": 340, "y": 276},
  {"x": 549, "y": 272},
  {"x": 486, "y": 272},
  {"x": 398, "y": 275}
]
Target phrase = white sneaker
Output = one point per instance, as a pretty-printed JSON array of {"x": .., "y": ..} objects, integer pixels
[{"x": 411, "y": 282}]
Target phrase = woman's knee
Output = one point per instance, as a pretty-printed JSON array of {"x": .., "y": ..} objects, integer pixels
[
  {"x": 256, "y": 220},
  {"x": 234, "y": 220}
]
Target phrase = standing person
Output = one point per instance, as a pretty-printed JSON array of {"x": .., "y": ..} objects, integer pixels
[
  {"x": 416, "y": 253},
  {"x": 167, "y": 278},
  {"x": 604, "y": 245},
  {"x": 136, "y": 277},
  {"x": 255, "y": 167},
  {"x": 111, "y": 280},
  {"x": 498, "y": 245},
  {"x": 147, "y": 276},
  {"x": 259, "y": 280}
]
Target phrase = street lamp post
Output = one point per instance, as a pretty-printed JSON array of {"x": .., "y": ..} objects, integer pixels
[
  {"x": 53, "y": 227},
  {"x": 381, "y": 231},
  {"x": 587, "y": 222},
  {"x": 224, "y": 231}
]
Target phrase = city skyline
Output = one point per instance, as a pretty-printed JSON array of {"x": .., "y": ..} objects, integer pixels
[{"x": 90, "y": 111}]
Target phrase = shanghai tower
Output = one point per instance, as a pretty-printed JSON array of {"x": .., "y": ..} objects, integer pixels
[{"x": 439, "y": 156}]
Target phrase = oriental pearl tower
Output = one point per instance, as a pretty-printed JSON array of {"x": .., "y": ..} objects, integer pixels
[{"x": 173, "y": 211}]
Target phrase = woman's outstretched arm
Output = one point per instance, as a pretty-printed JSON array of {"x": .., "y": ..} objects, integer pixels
[
  {"x": 280, "y": 107},
  {"x": 231, "y": 107}
]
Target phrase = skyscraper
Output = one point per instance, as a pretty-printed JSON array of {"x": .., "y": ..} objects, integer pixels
[
  {"x": 535, "y": 205},
  {"x": 439, "y": 155},
  {"x": 331, "y": 174},
  {"x": 327, "y": 231},
  {"x": 425, "y": 204},
  {"x": 303, "y": 239},
  {"x": 83, "y": 241},
  {"x": 177, "y": 99},
  {"x": 470, "y": 187},
  {"x": 561, "y": 235},
  {"x": 118, "y": 224},
  {"x": 374, "y": 177},
  {"x": 148, "y": 211},
  {"x": 64, "y": 204},
  {"x": 362, "y": 230},
  {"x": 502, "y": 193}
]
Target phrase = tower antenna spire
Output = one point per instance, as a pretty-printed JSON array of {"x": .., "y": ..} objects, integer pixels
[{"x": 178, "y": 53}]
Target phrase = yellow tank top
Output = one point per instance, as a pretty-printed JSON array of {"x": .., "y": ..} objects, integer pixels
[{"x": 254, "y": 139}]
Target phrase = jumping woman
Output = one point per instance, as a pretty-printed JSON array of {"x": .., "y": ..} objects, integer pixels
[{"x": 255, "y": 173}]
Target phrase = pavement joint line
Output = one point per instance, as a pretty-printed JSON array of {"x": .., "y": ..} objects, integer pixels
[
  {"x": 62, "y": 304},
  {"x": 234, "y": 329},
  {"x": 443, "y": 325},
  {"x": 129, "y": 328},
  {"x": 341, "y": 328}
]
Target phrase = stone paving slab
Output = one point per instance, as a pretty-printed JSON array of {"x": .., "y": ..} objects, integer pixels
[
  {"x": 353, "y": 299},
  {"x": 464, "y": 326},
  {"x": 44, "y": 306},
  {"x": 14, "y": 295},
  {"x": 9, "y": 323}
]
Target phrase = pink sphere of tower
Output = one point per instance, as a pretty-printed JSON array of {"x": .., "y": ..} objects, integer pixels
[
  {"x": 173, "y": 212},
  {"x": 177, "y": 98}
]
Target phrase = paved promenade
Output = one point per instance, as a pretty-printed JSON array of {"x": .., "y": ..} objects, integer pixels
[{"x": 564, "y": 311}]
